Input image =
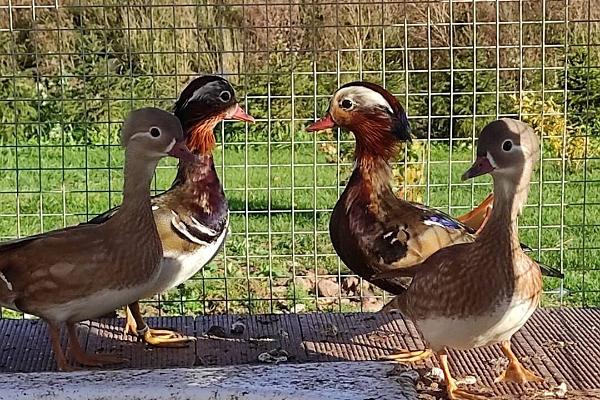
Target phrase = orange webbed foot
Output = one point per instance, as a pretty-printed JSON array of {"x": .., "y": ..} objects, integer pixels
[
  {"x": 516, "y": 372},
  {"x": 407, "y": 357}
]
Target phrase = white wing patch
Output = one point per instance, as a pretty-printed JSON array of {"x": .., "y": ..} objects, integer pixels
[
  {"x": 183, "y": 229},
  {"x": 8, "y": 284}
]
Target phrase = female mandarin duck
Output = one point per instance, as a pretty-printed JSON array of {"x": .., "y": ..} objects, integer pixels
[
  {"x": 371, "y": 229},
  {"x": 477, "y": 294},
  {"x": 193, "y": 215},
  {"x": 82, "y": 272}
]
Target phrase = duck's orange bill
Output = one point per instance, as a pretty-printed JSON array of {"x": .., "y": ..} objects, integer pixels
[
  {"x": 324, "y": 123},
  {"x": 241, "y": 115},
  {"x": 481, "y": 166},
  {"x": 180, "y": 150}
]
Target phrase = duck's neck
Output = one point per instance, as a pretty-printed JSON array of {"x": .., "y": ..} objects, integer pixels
[
  {"x": 510, "y": 196},
  {"x": 372, "y": 176},
  {"x": 138, "y": 171},
  {"x": 201, "y": 141}
]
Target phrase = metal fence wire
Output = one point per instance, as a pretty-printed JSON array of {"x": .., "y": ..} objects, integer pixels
[{"x": 70, "y": 70}]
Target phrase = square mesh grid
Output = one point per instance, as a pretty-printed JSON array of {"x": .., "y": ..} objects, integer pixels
[{"x": 71, "y": 70}]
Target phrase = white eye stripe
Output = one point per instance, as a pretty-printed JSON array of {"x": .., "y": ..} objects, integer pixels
[
  {"x": 202, "y": 91},
  {"x": 170, "y": 146},
  {"x": 364, "y": 96},
  {"x": 491, "y": 160},
  {"x": 138, "y": 134}
]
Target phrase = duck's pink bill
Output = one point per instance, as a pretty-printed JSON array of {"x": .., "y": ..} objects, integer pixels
[
  {"x": 324, "y": 123},
  {"x": 241, "y": 115},
  {"x": 180, "y": 150},
  {"x": 481, "y": 166}
]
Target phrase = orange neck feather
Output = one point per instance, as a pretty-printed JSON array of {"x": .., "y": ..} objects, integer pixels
[{"x": 201, "y": 138}]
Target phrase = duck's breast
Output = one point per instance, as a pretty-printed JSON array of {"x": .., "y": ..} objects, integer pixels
[
  {"x": 466, "y": 332},
  {"x": 177, "y": 265}
]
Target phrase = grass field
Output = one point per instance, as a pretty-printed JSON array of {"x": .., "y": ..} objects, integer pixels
[{"x": 279, "y": 240}]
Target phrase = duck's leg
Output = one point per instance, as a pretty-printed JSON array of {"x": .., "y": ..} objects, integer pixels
[
  {"x": 59, "y": 355},
  {"x": 156, "y": 337},
  {"x": 407, "y": 356},
  {"x": 89, "y": 360},
  {"x": 516, "y": 372},
  {"x": 454, "y": 393},
  {"x": 476, "y": 218}
]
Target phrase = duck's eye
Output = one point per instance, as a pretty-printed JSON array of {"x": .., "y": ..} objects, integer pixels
[
  {"x": 346, "y": 104},
  {"x": 225, "y": 96},
  {"x": 507, "y": 145},
  {"x": 155, "y": 132}
]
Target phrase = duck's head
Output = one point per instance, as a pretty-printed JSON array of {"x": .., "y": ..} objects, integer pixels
[
  {"x": 151, "y": 133},
  {"x": 206, "y": 101},
  {"x": 506, "y": 148},
  {"x": 372, "y": 113}
]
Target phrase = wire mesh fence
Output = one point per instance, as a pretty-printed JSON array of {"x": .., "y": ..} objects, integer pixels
[{"x": 71, "y": 70}]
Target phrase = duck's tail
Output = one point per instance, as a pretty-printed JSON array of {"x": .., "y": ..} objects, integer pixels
[{"x": 476, "y": 218}]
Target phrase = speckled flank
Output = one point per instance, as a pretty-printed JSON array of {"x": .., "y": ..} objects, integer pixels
[{"x": 284, "y": 382}]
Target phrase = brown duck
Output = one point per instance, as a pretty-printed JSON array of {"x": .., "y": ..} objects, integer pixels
[
  {"x": 478, "y": 294},
  {"x": 82, "y": 272},
  {"x": 371, "y": 229},
  {"x": 192, "y": 216}
]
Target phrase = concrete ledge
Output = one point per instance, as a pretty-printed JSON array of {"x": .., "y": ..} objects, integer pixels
[{"x": 337, "y": 380}]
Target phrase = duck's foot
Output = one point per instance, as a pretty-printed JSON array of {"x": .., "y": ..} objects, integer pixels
[
  {"x": 154, "y": 337},
  {"x": 164, "y": 338},
  {"x": 86, "y": 359},
  {"x": 460, "y": 394},
  {"x": 406, "y": 356},
  {"x": 516, "y": 372},
  {"x": 454, "y": 393}
]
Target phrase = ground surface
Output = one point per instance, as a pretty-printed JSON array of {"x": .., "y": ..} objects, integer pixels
[{"x": 561, "y": 345}]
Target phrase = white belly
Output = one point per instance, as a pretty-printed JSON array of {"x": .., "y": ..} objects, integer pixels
[
  {"x": 96, "y": 304},
  {"x": 484, "y": 330},
  {"x": 178, "y": 268}
]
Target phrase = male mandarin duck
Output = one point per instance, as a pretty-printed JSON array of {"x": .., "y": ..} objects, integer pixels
[
  {"x": 192, "y": 216},
  {"x": 81, "y": 272},
  {"x": 477, "y": 294},
  {"x": 371, "y": 229}
]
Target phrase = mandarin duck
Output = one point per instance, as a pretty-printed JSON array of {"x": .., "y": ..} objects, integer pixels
[
  {"x": 192, "y": 216},
  {"x": 481, "y": 293},
  {"x": 371, "y": 229},
  {"x": 81, "y": 272}
]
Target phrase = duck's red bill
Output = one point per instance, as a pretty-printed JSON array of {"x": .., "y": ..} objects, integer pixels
[
  {"x": 324, "y": 123},
  {"x": 481, "y": 166},
  {"x": 180, "y": 150},
  {"x": 241, "y": 115}
]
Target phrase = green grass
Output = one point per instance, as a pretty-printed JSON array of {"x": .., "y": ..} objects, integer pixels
[{"x": 280, "y": 216}]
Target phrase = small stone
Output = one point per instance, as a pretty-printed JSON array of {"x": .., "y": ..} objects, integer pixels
[
  {"x": 298, "y": 308},
  {"x": 237, "y": 328},
  {"x": 327, "y": 288},
  {"x": 350, "y": 285},
  {"x": 435, "y": 374},
  {"x": 217, "y": 331},
  {"x": 274, "y": 356},
  {"x": 467, "y": 380}
]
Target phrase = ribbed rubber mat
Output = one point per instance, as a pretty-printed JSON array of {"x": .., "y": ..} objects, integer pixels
[{"x": 562, "y": 345}]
